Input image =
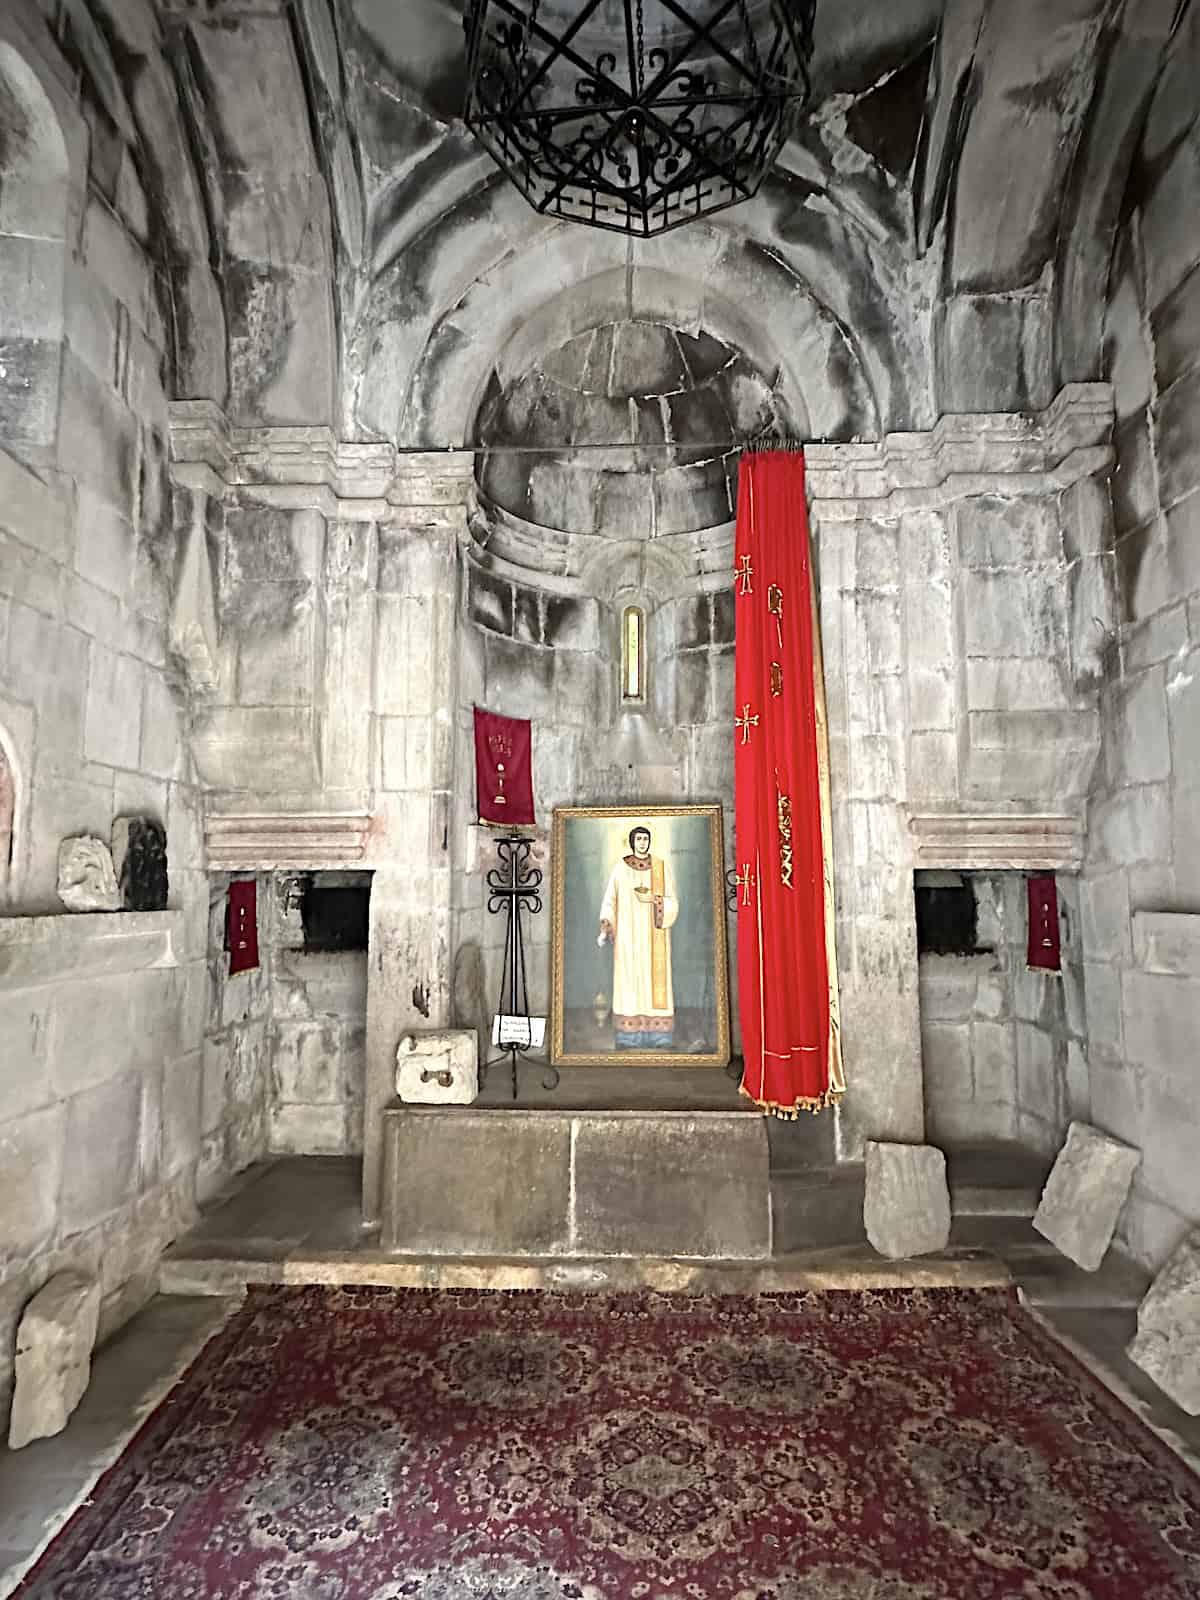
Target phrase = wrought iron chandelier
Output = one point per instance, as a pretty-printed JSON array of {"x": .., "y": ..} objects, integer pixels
[{"x": 636, "y": 115}]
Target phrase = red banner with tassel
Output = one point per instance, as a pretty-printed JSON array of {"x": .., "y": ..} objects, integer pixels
[{"x": 787, "y": 967}]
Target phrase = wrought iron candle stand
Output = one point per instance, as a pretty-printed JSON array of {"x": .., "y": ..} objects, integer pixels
[{"x": 514, "y": 886}]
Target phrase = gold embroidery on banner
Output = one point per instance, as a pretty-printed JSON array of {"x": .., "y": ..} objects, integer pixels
[
  {"x": 775, "y": 605},
  {"x": 658, "y": 938},
  {"x": 776, "y": 680},
  {"x": 745, "y": 722},
  {"x": 785, "y": 839},
  {"x": 743, "y": 573},
  {"x": 746, "y": 882},
  {"x": 500, "y": 744}
]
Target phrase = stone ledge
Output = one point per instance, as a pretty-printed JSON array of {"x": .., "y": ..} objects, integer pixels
[
  {"x": 299, "y": 840},
  {"x": 963, "y": 840},
  {"x": 82, "y": 944}
]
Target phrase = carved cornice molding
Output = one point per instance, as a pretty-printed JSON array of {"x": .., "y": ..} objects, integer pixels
[
  {"x": 1005, "y": 453},
  {"x": 311, "y": 467},
  {"x": 962, "y": 841},
  {"x": 300, "y": 840}
]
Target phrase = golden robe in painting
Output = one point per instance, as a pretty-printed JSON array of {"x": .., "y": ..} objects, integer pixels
[{"x": 640, "y": 906}]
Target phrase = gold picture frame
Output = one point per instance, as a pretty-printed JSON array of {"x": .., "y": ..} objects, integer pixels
[{"x": 653, "y": 984}]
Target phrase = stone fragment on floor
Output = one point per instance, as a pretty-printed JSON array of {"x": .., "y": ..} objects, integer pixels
[
  {"x": 906, "y": 1209},
  {"x": 438, "y": 1068},
  {"x": 54, "y": 1356},
  {"x": 1087, "y": 1186},
  {"x": 1167, "y": 1343}
]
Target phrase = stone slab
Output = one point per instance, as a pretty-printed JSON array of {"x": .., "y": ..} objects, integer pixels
[
  {"x": 672, "y": 1184},
  {"x": 1084, "y": 1194},
  {"x": 438, "y": 1068},
  {"x": 1167, "y": 1343},
  {"x": 906, "y": 1208},
  {"x": 462, "y": 1182},
  {"x": 54, "y": 1356}
]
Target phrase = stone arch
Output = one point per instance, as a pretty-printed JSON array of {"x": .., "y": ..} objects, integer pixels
[
  {"x": 35, "y": 221},
  {"x": 447, "y": 300}
]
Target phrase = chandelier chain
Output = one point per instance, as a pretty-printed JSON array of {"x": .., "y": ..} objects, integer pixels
[{"x": 639, "y": 64}]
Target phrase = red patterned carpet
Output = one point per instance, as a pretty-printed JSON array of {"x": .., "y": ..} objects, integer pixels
[{"x": 374, "y": 1445}]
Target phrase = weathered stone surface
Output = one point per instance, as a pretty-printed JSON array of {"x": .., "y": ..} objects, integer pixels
[
  {"x": 1084, "y": 1193},
  {"x": 54, "y": 1356},
  {"x": 669, "y": 1184},
  {"x": 86, "y": 880},
  {"x": 139, "y": 852},
  {"x": 438, "y": 1068},
  {"x": 1167, "y": 1343},
  {"x": 907, "y": 1204},
  {"x": 476, "y": 1183}
]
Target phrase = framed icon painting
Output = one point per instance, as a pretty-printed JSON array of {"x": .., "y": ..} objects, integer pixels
[{"x": 639, "y": 973}]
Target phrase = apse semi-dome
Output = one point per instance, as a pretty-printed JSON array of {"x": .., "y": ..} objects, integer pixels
[{"x": 669, "y": 406}]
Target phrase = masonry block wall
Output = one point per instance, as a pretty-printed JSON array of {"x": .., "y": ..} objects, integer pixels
[
  {"x": 104, "y": 1129},
  {"x": 1141, "y": 897}
]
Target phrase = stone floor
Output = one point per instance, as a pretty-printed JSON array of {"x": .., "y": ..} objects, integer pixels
[{"x": 297, "y": 1220}]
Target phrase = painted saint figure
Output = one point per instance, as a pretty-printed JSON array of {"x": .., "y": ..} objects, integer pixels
[{"x": 636, "y": 915}]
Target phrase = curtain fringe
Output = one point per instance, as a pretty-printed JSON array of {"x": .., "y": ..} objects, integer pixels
[{"x": 801, "y": 1108}]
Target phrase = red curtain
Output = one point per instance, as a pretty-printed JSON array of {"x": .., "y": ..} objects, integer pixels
[{"x": 786, "y": 960}]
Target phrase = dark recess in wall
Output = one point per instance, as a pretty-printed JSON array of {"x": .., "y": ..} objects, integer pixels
[
  {"x": 335, "y": 917},
  {"x": 947, "y": 920}
]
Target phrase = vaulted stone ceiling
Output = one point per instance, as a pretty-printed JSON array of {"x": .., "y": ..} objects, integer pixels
[{"x": 334, "y": 249}]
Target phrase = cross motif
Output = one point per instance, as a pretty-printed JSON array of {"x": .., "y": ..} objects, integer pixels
[
  {"x": 746, "y": 882},
  {"x": 745, "y": 722},
  {"x": 742, "y": 574}
]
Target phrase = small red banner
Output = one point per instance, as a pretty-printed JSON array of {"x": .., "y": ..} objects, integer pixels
[
  {"x": 1045, "y": 936},
  {"x": 503, "y": 768},
  {"x": 241, "y": 925}
]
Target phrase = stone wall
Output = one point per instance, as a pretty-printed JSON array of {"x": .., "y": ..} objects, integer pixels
[
  {"x": 1143, "y": 993},
  {"x": 235, "y": 1095},
  {"x": 102, "y": 1017},
  {"x": 960, "y": 698},
  {"x": 1003, "y": 1044},
  {"x": 318, "y": 1029}
]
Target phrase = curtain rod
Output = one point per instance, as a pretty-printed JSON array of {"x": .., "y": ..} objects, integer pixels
[{"x": 723, "y": 447}]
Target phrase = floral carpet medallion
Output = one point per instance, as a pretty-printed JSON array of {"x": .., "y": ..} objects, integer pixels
[{"x": 364, "y": 1444}]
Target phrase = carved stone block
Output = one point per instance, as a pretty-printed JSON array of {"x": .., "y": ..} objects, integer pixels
[
  {"x": 438, "y": 1068},
  {"x": 1084, "y": 1193},
  {"x": 906, "y": 1208},
  {"x": 139, "y": 851},
  {"x": 54, "y": 1356},
  {"x": 86, "y": 880},
  {"x": 1167, "y": 1343}
]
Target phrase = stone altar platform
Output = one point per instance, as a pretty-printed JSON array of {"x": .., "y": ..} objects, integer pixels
[{"x": 576, "y": 1182}]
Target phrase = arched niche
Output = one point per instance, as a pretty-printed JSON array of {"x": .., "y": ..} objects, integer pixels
[{"x": 36, "y": 217}]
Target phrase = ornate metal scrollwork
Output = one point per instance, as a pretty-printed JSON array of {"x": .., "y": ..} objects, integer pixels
[{"x": 640, "y": 116}]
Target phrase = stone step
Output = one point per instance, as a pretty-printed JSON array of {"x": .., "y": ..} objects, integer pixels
[
  {"x": 995, "y": 1180},
  {"x": 853, "y": 1266},
  {"x": 817, "y": 1209}
]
